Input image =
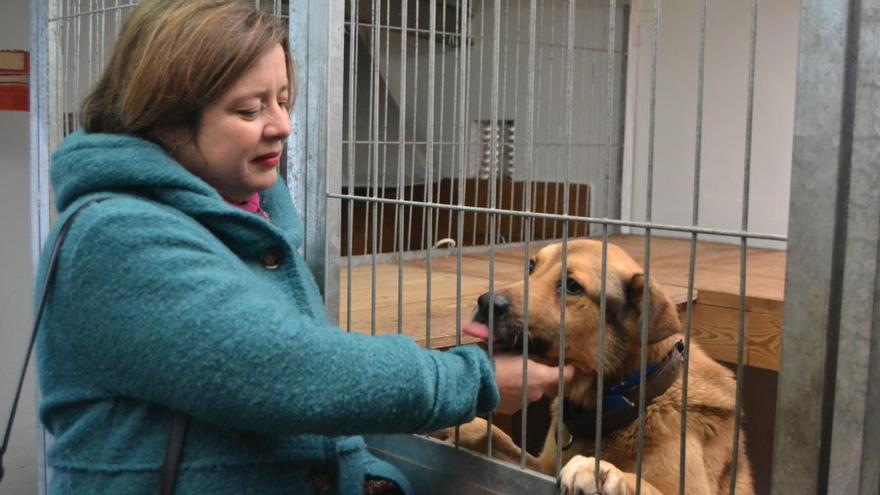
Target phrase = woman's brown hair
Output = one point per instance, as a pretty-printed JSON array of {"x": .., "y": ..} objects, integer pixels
[{"x": 174, "y": 57}]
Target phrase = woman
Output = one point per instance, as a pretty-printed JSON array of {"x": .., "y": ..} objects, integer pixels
[{"x": 183, "y": 289}]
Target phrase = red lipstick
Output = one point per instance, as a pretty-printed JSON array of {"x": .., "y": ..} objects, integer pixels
[{"x": 269, "y": 160}]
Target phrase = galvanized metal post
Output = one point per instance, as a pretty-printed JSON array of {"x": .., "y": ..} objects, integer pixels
[
  {"x": 314, "y": 151},
  {"x": 824, "y": 425},
  {"x": 854, "y": 463},
  {"x": 39, "y": 156}
]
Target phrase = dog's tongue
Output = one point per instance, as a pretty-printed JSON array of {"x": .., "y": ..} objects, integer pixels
[{"x": 477, "y": 330}]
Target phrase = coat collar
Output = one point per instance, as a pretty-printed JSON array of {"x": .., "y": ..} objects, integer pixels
[{"x": 87, "y": 164}]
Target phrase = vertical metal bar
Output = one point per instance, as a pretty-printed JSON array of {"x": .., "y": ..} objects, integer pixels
[
  {"x": 443, "y": 138},
  {"x": 515, "y": 114},
  {"x": 39, "y": 174},
  {"x": 415, "y": 130},
  {"x": 117, "y": 25},
  {"x": 559, "y": 132},
  {"x": 57, "y": 123},
  {"x": 655, "y": 38},
  {"x": 493, "y": 177},
  {"x": 541, "y": 112},
  {"x": 603, "y": 279},
  {"x": 383, "y": 175},
  {"x": 501, "y": 126},
  {"x": 354, "y": 61},
  {"x": 695, "y": 211},
  {"x": 480, "y": 112},
  {"x": 77, "y": 68},
  {"x": 584, "y": 104},
  {"x": 561, "y": 387},
  {"x": 426, "y": 185},
  {"x": 527, "y": 232},
  {"x": 854, "y": 466},
  {"x": 401, "y": 160},
  {"x": 374, "y": 157},
  {"x": 463, "y": 148},
  {"x": 569, "y": 97},
  {"x": 585, "y": 82},
  {"x": 743, "y": 254},
  {"x": 320, "y": 56},
  {"x": 371, "y": 143},
  {"x": 824, "y": 109},
  {"x": 429, "y": 181},
  {"x": 89, "y": 39},
  {"x": 352, "y": 140}
]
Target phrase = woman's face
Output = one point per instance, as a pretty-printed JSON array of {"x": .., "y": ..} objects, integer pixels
[{"x": 238, "y": 145}]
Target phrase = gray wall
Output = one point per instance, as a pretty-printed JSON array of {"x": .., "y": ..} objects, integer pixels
[
  {"x": 550, "y": 163},
  {"x": 16, "y": 278}
]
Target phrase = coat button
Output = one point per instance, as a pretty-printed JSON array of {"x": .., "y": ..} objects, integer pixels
[
  {"x": 321, "y": 480},
  {"x": 271, "y": 258}
]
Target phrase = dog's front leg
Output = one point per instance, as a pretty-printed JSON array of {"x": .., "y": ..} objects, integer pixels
[
  {"x": 579, "y": 476},
  {"x": 475, "y": 436}
]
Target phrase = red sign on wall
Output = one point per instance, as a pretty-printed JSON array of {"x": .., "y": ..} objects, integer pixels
[{"x": 15, "y": 71}]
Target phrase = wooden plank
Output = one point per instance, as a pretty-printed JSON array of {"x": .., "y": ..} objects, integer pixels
[
  {"x": 717, "y": 270},
  {"x": 716, "y": 329},
  {"x": 765, "y": 340}
]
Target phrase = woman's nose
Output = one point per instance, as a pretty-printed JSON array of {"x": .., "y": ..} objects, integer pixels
[{"x": 279, "y": 125}]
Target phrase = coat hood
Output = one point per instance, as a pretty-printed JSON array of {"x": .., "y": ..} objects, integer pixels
[
  {"x": 94, "y": 163},
  {"x": 91, "y": 163}
]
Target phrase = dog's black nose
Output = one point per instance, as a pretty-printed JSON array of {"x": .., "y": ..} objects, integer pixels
[{"x": 501, "y": 305}]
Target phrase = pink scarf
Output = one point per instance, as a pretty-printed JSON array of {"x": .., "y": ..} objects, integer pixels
[{"x": 250, "y": 205}]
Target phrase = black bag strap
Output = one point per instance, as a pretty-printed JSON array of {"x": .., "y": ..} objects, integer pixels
[
  {"x": 178, "y": 426},
  {"x": 168, "y": 476}
]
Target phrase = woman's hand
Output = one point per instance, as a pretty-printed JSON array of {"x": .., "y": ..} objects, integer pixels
[{"x": 509, "y": 377}]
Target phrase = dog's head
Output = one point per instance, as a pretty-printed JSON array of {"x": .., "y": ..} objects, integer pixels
[{"x": 581, "y": 283}]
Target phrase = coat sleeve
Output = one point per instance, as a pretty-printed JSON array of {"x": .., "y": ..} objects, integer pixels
[{"x": 145, "y": 307}]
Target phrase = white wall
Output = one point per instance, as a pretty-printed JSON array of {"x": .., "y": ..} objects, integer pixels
[
  {"x": 724, "y": 113},
  {"x": 16, "y": 279}
]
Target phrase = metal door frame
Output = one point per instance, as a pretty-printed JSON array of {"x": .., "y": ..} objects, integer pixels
[{"x": 831, "y": 342}]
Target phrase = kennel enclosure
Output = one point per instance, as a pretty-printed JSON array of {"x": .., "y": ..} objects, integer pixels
[{"x": 434, "y": 136}]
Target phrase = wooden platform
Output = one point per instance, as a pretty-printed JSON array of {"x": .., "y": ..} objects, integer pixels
[{"x": 715, "y": 309}]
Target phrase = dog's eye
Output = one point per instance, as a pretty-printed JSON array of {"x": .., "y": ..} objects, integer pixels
[
  {"x": 573, "y": 287},
  {"x": 531, "y": 266}
]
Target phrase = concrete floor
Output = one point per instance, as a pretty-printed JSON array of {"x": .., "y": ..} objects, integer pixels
[{"x": 20, "y": 460}]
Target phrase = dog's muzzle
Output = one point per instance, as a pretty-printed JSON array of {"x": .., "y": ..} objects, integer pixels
[{"x": 508, "y": 329}]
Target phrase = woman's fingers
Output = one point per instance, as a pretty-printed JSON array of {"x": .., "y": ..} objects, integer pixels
[{"x": 509, "y": 377}]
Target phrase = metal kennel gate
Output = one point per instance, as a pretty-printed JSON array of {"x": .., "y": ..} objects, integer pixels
[{"x": 424, "y": 122}]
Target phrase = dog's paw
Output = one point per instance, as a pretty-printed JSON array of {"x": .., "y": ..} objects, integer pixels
[
  {"x": 472, "y": 435},
  {"x": 579, "y": 476}
]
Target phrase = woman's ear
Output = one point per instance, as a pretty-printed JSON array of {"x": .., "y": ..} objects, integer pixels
[
  {"x": 662, "y": 316},
  {"x": 172, "y": 138}
]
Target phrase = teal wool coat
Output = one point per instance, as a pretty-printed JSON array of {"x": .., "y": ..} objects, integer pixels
[{"x": 162, "y": 303}]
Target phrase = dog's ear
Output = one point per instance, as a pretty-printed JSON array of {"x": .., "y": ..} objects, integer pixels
[{"x": 662, "y": 316}]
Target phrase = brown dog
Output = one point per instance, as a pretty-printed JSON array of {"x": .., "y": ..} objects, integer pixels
[{"x": 711, "y": 387}]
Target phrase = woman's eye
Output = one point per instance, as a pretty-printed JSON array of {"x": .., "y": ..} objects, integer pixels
[
  {"x": 284, "y": 104},
  {"x": 573, "y": 287},
  {"x": 531, "y": 266},
  {"x": 249, "y": 112}
]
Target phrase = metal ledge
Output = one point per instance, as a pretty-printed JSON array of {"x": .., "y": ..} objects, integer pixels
[{"x": 435, "y": 467}]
